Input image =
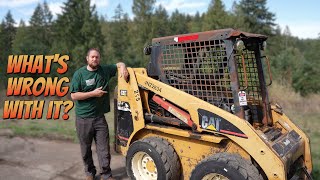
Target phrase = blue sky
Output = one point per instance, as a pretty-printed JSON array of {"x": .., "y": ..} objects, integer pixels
[{"x": 302, "y": 17}]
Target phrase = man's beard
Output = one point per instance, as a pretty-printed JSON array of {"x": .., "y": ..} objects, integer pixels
[{"x": 93, "y": 65}]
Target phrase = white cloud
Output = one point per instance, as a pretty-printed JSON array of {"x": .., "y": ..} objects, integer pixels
[
  {"x": 16, "y": 3},
  {"x": 100, "y": 3},
  {"x": 26, "y": 12},
  {"x": 305, "y": 30},
  {"x": 180, "y": 4},
  {"x": 55, "y": 7},
  {"x": 302, "y": 29}
]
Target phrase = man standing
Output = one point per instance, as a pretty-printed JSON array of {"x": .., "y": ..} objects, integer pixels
[{"x": 90, "y": 91}]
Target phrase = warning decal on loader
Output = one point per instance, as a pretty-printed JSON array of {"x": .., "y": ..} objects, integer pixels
[
  {"x": 123, "y": 106},
  {"x": 242, "y": 98},
  {"x": 123, "y": 92},
  {"x": 213, "y": 122},
  {"x": 124, "y": 123}
]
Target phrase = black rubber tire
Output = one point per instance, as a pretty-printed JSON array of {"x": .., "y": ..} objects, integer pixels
[
  {"x": 163, "y": 155},
  {"x": 231, "y": 166}
]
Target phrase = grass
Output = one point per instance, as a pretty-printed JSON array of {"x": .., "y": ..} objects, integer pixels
[
  {"x": 48, "y": 129},
  {"x": 304, "y": 111},
  {"x": 43, "y": 128}
]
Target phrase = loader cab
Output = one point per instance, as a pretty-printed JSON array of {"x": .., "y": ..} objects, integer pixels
[{"x": 222, "y": 67}]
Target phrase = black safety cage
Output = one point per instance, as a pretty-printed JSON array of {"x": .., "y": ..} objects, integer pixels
[{"x": 214, "y": 70}]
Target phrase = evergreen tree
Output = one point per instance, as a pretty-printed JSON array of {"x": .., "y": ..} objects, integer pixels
[
  {"x": 22, "y": 41},
  {"x": 8, "y": 32},
  {"x": 7, "y": 35},
  {"x": 37, "y": 32},
  {"x": 237, "y": 18},
  {"x": 37, "y": 18},
  {"x": 3, "y": 58},
  {"x": 142, "y": 9},
  {"x": 178, "y": 23},
  {"x": 306, "y": 79},
  {"x": 35, "y": 39},
  {"x": 76, "y": 30},
  {"x": 47, "y": 24},
  {"x": 256, "y": 14},
  {"x": 118, "y": 36},
  {"x": 47, "y": 14},
  {"x": 196, "y": 23},
  {"x": 216, "y": 17},
  {"x": 285, "y": 64},
  {"x": 287, "y": 37},
  {"x": 160, "y": 23},
  {"x": 141, "y": 29}
]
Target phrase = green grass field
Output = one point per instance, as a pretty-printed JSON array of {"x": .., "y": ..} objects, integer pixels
[{"x": 49, "y": 129}]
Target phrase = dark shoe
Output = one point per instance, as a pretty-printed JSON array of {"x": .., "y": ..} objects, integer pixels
[{"x": 89, "y": 178}]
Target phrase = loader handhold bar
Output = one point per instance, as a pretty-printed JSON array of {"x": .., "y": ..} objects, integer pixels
[
  {"x": 177, "y": 112},
  {"x": 269, "y": 70},
  {"x": 164, "y": 120}
]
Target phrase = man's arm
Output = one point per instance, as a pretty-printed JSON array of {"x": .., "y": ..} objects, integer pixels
[
  {"x": 85, "y": 95},
  {"x": 123, "y": 70}
]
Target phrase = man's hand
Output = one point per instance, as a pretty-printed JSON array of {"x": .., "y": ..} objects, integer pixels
[
  {"x": 123, "y": 70},
  {"x": 98, "y": 92},
  {"x": 85, "y": 95}
]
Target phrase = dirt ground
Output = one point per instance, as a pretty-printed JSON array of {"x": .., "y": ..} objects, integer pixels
[{"x": 38, "y": 159}]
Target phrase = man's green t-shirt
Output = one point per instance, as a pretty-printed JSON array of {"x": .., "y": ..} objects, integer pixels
[{"x": 85, "y": 81}]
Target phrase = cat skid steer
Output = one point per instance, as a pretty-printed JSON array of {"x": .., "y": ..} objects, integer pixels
[{"x": 200, "y": 110}]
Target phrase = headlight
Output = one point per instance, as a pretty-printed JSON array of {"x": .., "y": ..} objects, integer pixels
[
  {"x": 240, "y": 45},
  {"x": 264, "y": 45}
]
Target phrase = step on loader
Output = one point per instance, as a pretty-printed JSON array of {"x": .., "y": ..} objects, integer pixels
[{"x": 201, "y": 110}]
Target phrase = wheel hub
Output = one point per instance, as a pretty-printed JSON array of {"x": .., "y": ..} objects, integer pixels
[
  {"x": 144, "y": 167},
  {"x": 214, "y": 176},
  {"x": 151, "y": 167}
]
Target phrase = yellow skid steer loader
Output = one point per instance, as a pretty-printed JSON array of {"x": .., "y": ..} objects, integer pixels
[{"x": 200, "y": 110}]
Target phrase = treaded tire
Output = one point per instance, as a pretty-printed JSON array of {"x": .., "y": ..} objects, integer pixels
[
  {"x": 231, "y": 166},
  {"x": 164, "y": 157}
]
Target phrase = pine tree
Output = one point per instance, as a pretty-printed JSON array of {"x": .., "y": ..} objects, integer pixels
[
  {"x": 8, "y": 32},
  {"x": 196, "y": 23},
  {"x": 178, "y": 23},
  {"x": 237, "y": 18},
  {"x": 258, "y": 17},
  {"x": 216, "y": 17},
  {"x": 47, "y": 24},
  {"x": 37, "y": 18},
  {"x": 7, "y": 35},
  {"x": 76, "y": 30},
  {"x": 141, "y": 29},
  {"x": 118, "y": 36},
  {"x": 160, "y": 22},
  {"x": 22, "y": 42},
  {"x": 142, "y": 9},
  {"x": 37, "y": 32},
  {"x": 306, "y": 77},
  {"x": 47, "y": 14}
]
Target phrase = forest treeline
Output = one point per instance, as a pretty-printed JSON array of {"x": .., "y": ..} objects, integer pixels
[{"x": 294, "y": 61}]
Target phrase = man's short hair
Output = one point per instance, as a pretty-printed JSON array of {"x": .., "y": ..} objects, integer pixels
[{"x": 93, "y": 49}]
